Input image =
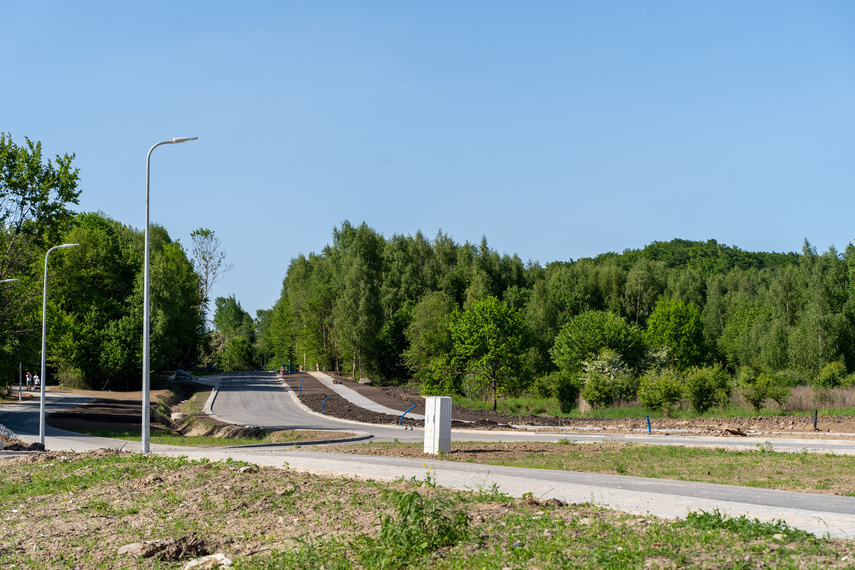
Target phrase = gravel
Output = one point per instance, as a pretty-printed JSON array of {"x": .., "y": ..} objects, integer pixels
[{"x": 6, "y": 432}]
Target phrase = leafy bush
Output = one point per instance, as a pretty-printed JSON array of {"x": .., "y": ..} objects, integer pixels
[
  {"x": 661, "y": 391},
  {"x": 832, "y": 375},
  {"x": 706, "y": 386},
  {"x": 756, "y": 389},
  {"x": 606, "y": 380},
  {"x": 567, "y": 390},
  {"x": 596, "y": 389}
]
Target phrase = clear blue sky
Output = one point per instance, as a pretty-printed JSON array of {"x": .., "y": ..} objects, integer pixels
[{"x": 558, "y": 130}]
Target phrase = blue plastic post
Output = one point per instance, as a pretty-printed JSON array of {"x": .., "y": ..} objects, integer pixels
[
  {"x": 324, "y": 402},
  {"x": 405, "y": 413},
  {"x": 301, "y": 387},
  {"x": 648, "y": 424}
]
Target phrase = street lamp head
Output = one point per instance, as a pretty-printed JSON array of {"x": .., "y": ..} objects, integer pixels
[
  {"x": 183, "y": 139},
  {"x": 67, "y": 245}
]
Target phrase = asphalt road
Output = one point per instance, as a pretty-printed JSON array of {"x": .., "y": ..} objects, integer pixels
[{"x": 259, "y": 399}]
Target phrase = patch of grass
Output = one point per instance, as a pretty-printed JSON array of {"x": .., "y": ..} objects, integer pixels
[
  {"x": 168, "y": 438},
  {"x": 514, "y": 405},
  {"x": 744, "y": 527}
]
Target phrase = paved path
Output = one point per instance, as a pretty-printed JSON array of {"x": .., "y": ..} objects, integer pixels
[{"x": 358, "y": 399}]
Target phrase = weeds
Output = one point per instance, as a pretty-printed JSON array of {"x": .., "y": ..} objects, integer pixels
[
  {"x": 422, "y": 526},
  {"x": 746, "y": 528}
]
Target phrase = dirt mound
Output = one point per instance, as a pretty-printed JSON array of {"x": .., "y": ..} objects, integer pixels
[{"x": 225, "y": 431}]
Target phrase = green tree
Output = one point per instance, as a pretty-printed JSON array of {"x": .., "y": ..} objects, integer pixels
[
  {"x": 489, "y": 341},
  {"x": 95, "y": 305},
  {"x": 35, "y": 195},
  {"x": 678, "y": 327},
  {"x": 428, "y": 355},
  {"x": 236, "y": 327},
  {"x": 589, "y": 333},
  {"x": 645, "y": 283},
  {"x": 358, "y": 312}
]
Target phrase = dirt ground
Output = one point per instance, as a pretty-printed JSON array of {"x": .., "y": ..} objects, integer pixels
[
  {"x": 397, "y": 398},
  {"x": 120, "y": 410}
]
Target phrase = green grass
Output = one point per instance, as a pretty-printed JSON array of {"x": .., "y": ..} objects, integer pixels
[
  {"x": 202, "y": 441},
  {"x": 761, "y": 467}
]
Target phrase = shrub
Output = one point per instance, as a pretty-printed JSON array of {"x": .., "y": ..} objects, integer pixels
[
  {"x": 661, "y": 391},
  {"x": 832, "y": 375},
  {"x": 567, "y": 388},
  {"x": 606, "y": 380},
  {"x": 706, "y": 386},
  {"x": 757, "y": 389},
  {"x": 596, "y": 389}
]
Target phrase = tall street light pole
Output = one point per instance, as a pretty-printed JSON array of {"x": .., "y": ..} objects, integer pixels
[
  {"x": 146, "y": 379},
  {"x": 44, "y": 344}
]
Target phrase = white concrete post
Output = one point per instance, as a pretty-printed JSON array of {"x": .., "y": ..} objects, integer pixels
[{"x": 437, "y": 424}]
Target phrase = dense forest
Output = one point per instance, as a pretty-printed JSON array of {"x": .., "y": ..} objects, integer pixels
[{"x": 637, "y": 324}]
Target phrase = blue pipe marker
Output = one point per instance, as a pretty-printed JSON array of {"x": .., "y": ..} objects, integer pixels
[
  {"x": 648, "y": 424},
  {"x": 301, "y": 387},
  {"x": 324, "y": 402},
  {"x": 405, "y": 413}
]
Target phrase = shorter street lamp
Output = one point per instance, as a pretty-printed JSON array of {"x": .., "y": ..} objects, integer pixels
[{"x": 44, "y": 343}]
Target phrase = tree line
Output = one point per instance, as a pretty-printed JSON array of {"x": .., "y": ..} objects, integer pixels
[
  {"x": 409, "y": 307},
  {"x": 95, "y": 291},
  {"x": 678, "y": 319}
]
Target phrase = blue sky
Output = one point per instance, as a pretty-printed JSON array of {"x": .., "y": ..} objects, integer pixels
[{"x": 558, "y": 130}]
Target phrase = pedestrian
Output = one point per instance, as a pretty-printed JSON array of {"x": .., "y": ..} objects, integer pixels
[
  {"x": 37, "y": 382},
  {"x": 29, "y": 380}
]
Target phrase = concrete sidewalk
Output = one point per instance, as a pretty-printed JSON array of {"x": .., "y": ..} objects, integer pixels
[{"x": 358, "y": 399}]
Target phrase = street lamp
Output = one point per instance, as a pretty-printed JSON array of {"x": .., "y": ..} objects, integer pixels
[
  {"x": 44, "y": 343},
  {"x": 147, "y": 303}
]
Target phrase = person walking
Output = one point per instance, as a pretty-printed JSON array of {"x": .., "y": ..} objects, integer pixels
[
  {"x": 29, "y": 381},
  {"x": 37, "y": 381}
]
